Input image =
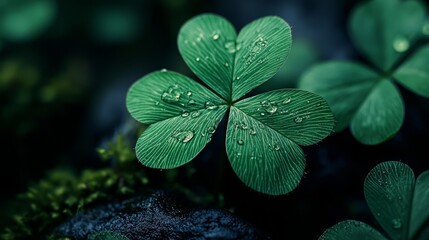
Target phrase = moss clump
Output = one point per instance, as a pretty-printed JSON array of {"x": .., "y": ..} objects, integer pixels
[{"x": 63, "y": 193}]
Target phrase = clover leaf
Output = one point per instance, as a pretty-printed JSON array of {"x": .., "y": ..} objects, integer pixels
[
  {"x": 23, "y": 20},
  {"x": 367, "y": 99},
  {"x": 263, "y": 133},
  {"x": 397, "y": 201}
]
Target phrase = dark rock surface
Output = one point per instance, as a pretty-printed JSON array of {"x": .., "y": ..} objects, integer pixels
[{"x": 162, "y": 215}]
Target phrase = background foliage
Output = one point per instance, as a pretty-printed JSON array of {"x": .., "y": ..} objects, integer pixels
[{"x": 63, "y": 87}]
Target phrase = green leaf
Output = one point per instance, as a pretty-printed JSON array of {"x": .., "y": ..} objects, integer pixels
[
  {"x": 351, "y": 230},
  {"x": 165, "y": 94},
  {"x": 263, "y": 134},
  {"x": 388, "y": 191},
  {"x": 420, "y": 210},
  {"x": 384, "y": 29},
  {"x": 207, "y": 44},
  {"x": 344, "y": 85},
  {"x": 380, "y": 116},
  {"x": 26, "y": 20},
  {"x": 414, "y": 73},
  {"x": 263, "y": 159},
  {"x": 175, "y": 141},
  {"x": 262, "y": 48},
  {"x": 231, "y": 65},
  {"x": 107, "y": 235},
  {"x": 358, "y": 96},
  {"x": 183, "y": 115}
]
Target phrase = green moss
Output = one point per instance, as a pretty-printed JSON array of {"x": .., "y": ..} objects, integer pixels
[{"x": 63, "y": 193}]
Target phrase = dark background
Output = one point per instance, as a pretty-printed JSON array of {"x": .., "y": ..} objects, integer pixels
[{"x": 71, "y": 78}]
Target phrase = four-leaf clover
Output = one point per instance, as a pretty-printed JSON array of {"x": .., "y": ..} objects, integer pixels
[
  {"x": 263, "y": 133},
  {"x": 366, "y": 98}
]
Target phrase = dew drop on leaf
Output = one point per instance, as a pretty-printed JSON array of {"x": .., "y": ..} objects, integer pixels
[
  {"x": 269, "y": 107},
  {"x": 189, "y": 93},
  {"x": 298, "y": 119},
  {"x": 237, "y": 46},
  {"x": 401, "y": 44},
  {"x": 287, "y": 100},
  {"x": 240, "y": 142},
  {"x": 216, "y": 36},
  {"x": 183, "y": 136},
  {"x": 163, "y": 70},
  {"x": 226, "y": 64},
  {"x": 252, "y": 131},
  {"x": 230, "y": 46},
  {"x": 185, "y": 114},
  {"x": 195, "y": 114},
  {"x": 197, "y": 59},
  {"x": 396, "y": 223},
  {"x": 210, "y": 105},
  {"x": 171, "y": 95},
  {"x": 276, "y": 147},
  {"x": 192, "y": 102},
  {"x": 211, "y": 130}
]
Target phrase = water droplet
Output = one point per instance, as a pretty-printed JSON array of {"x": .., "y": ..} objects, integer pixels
[
  {"x": 298, "y": 119},
  {"x": 200, "y": 36},
  {"x": 186, "y": 41},
  {"x": 172, "y": 94},
  {"x": 226, "y": 64},
  {"x": 230, "y": 46},
  {"x": 156, "y": 103},
  {"x": 396, "y": 223},
  {"x": 216, "y": 37},
  {"x": 189, "y": 93},
  {"x": 237, "y": 154},
  {"x": 197, "y": 59},
  {"x": 238, "y": 46},
  {"x": 185, "y": 114},
  {"x": 183, "y": 136},
  {"x": 276, "y": 147},
  {"x": 195, "y": 114},
  {"x": 269, "y": 107},
  {"x": 163, "y": 70},
  {"x": 262, "y": 114},
  {"x": 192, "y": 102},
  {"x": 252, "y": 158},
  {"x": 240, "y": 142},
  {"x": 401, "y": 44},
  {"x": 211, "y": 130},
  {"x": 425, "y": 28},
  {"x": 210, "y": 105},
  {"x": 237, "y": 78},
  {"x": 252, "y": 131}
]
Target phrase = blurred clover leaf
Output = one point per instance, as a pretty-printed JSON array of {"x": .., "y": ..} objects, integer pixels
[
  {"x": 263, "y": 133},
  {"x": 107, "y": 235},
  {"x": 367, "y": 99},
  {"x": 23, "y": 20},
  {"x": 397, "y": 201}
]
